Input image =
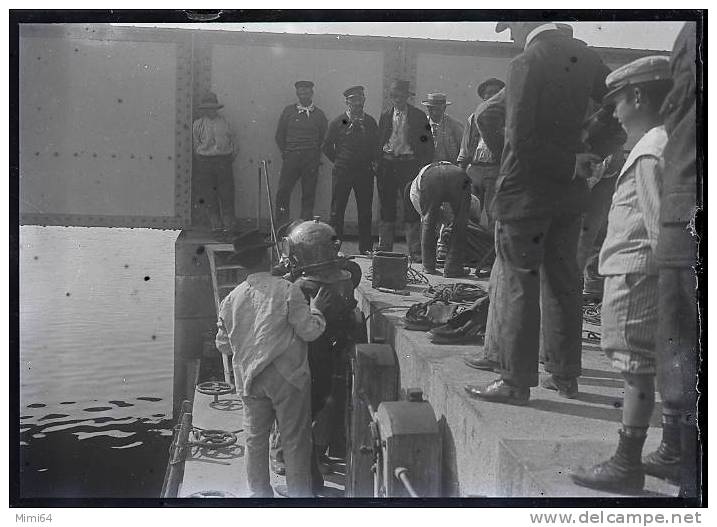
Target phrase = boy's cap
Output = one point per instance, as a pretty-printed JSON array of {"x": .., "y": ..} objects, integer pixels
[{"x": 645, "y": 69}]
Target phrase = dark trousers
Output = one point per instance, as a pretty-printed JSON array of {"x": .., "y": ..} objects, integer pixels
[
  {"x": 393, "y": 177},
  {"x": 678, "y": 365},
  {"x": 677, "y": 338},
  {"x": 213, "y": 192},
  {"x": 534, "y": 297},
  {"x": 302, "y": 165},
  {"x": 437, "y": 188},
  {"x": 343, "y": 181},
  {"x": 593, "y": 234},
  {"x": 483, "y": 178}
]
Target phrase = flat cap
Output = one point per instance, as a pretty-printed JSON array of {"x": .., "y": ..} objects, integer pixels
[
  {"x": 353, "y": 90},
  {"x": 303, "y": 84},
  {"x": 645, "y": 69}
]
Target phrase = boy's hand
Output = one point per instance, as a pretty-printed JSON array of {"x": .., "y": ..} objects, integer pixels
[{"x": 325, "y": 300}]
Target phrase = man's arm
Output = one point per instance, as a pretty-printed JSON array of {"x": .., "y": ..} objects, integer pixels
[
  {"x": 329, "y": 147},
  {"x": 465, "y": 156},
  {"x": 457, "y": 131},
  {"x": 491, "y": 123},
  {"x": 280, "y": 136},
  {"x": 308, "y": 322},
  {"x": 196, "y": 133},
  {"x": 425, "y": 147},
  {"x": 323, "y": 126}
]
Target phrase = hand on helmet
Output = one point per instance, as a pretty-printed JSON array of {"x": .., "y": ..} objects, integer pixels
[{"x": 326, "y": 300}]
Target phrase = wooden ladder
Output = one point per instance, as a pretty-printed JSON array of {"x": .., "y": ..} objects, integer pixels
[{"x": 225, "y": 277}]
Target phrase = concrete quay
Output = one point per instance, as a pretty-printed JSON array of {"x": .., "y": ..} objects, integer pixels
[{"x": 498, "y": 450}]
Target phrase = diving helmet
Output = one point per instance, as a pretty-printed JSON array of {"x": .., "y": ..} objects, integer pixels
[{"x": 312, "y": 246}]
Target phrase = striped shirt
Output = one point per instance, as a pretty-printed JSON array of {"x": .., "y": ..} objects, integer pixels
[{"x": 634, "y": 219}]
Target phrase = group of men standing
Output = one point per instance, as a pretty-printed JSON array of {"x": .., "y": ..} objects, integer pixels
[{"x": 521, "y": 154}]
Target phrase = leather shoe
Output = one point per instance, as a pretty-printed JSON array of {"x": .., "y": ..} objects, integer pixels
[
  {"x": 500, "y": 391},
  {"x": 481, "y": 363},
  {"x": 466, "y": 327},
  {"x": 565, "y": 386}
]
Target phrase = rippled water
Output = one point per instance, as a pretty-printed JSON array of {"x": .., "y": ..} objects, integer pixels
[{"x": 96, "y": 360}]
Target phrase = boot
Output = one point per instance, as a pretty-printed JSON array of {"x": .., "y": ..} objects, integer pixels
[
  {"x": 691, "y": 469},
  {"x": 622, "y": 473},
  {"x": 664, "y": 463},
  {"x": 385, "y": 236},
  {"x": 413, "y": 240}
]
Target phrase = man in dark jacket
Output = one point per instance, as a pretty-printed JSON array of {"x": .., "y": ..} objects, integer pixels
[
  {"x": 535, "y": 290},
  {"x": 299, "y": 134},
  {"x": 406, "y": 146},
  {"x": 352, "y": 146},
  {"x": 678, "y": 456}
]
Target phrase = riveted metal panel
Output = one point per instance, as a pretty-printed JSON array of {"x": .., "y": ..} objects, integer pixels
[{"x": 105, "y": 126}]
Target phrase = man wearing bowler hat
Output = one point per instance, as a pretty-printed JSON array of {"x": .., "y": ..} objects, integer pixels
[
  {"x": 406, "y": 146},
  {"x": 214, "y": 152},
  {"x": 535, "y": 289},
  {"x": 299, "y": 134},
  {"x": 352, "y": 146}
]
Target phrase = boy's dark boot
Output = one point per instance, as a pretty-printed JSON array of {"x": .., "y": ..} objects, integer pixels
[
  {"x": 691, "y": 470},
  {"x": 622, "y": 473},
  {"x": 664, "y": 463}
]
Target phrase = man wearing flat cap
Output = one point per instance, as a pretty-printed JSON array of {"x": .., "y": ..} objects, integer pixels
[
  {"x": 406, "y": 146},
  {"x": 482, "y": 143},
  {"x": 299, "y": 135},
  {"x": 535, "y": 295},
  {"x": 352, "y": 146},
  {"x": 214, "y": 150}
]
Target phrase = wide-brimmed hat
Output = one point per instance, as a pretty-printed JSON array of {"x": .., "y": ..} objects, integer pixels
[
  {"x": 646, "y": 69},
  {"x": 436, "y": 99},
  {"x": 402, "y": 86},
  {"x": 247, "y": 243},
  {"x": 490, "y": 82},
  {"x": 210, "y": 102}
]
